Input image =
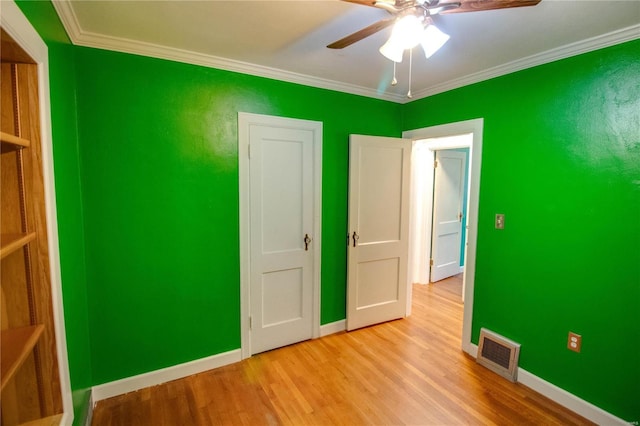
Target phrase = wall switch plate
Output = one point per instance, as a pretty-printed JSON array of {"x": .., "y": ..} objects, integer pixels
[
  {"x": 574, "y": 343},
  {"x": 500, "y": 221}
]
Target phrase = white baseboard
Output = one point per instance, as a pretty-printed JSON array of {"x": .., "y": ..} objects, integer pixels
[
  {"x": 560, "y": 396},
  {"x": 471, "y": 349},
  {"x": 333, "y": 327},
  {"x": 568, "y": 400},
  {"x": 152, "y": 378}
]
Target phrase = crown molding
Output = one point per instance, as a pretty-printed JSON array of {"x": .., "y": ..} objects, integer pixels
[
  {"x": 563, "y": 52},
  {"x": 68, "y": 18},
  {"x": 79, "y": 37}
]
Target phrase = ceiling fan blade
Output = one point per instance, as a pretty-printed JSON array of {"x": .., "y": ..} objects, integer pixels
[
  {"x": 478, "y": 5},
  {"x": 368, "y": 2},
  {"x": 363, "y": 33},
  {"x": 362, "y": 2}
]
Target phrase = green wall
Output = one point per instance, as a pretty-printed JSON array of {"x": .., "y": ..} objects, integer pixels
[
  {"x": 561, "y": 159},
  {"x": 146, "y": 178},
  {"x": 159, "y": 161}
]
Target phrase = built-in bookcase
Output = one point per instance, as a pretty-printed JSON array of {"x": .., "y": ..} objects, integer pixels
[{"x": 31, "y": 390}]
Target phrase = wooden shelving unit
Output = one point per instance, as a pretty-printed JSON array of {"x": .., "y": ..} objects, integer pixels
[
  {"x": 12, "y": 242},
  {"x": 45, "y": 421},
  {"x": 29, "y": 376},
  {"x": 12, "y": 143},
  {"x": 17, "y": 344}
]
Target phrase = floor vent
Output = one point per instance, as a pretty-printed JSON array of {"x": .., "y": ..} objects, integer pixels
[{"x": 498, "y": 354}]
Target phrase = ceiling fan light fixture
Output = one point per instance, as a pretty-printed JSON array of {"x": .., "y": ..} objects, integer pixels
[
  {"x": 392, "y": 50},
  {"x": 406, "y": 34},
  {"x": 413, "y": 24},
  {"x": 407, "y": 31},
  {"x": 432, "y": 39}
]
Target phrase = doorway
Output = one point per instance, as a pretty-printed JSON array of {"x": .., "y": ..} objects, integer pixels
[
  {"x": 448, "y": 240},
  {"x": 439, "y": 137},
  {"x": 423, "y": 194}
]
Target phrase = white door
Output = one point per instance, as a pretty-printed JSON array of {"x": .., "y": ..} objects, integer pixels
[
  {"x": 282, "y": 225},
  {"x": 447, "y": 214},
  {"x": 379, "y": 173}
]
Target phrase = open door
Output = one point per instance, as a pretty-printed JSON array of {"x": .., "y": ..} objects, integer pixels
[
  {"x": 448, "y": 193},
  {"x": 379, "y": 179}
]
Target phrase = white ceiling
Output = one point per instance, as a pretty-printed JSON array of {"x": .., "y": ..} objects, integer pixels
[{"x": 287, "y": 39}]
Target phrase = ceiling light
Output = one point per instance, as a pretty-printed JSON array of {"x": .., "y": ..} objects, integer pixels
[
  {"x": 432, "y": 40},
  {"x": 392, "y": 51},
  {"x": 408, "y": 32}
]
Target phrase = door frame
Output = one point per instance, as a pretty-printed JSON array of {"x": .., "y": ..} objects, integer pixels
[
  {"x": 474, "y": 126},
  {"x": 16, "y": 24},
  {"x": 245, "y": 120}
]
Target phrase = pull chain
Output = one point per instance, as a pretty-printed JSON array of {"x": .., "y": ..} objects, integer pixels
[
  {"x": 410, "y": 66},
  {"x": 395, "y": 80}
]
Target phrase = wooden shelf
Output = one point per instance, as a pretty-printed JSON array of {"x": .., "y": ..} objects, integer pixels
[
  {"x": 12, "y": 242},
  {"x": 17, "y": 344},
  {"x": 11, "y": 142},
  {"x": 47, "y": 421}
]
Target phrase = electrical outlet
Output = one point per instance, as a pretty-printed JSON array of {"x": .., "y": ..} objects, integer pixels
[
  {"x": 499, "y": 221},
  {"x": 574, "y": 343}
]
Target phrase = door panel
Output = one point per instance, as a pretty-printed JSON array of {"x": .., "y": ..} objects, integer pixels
[
  {"x": 378, "y": 224},
  {"x": 283, "y": 294},
  {"x": 378, "y": 175},
  {"x": 377, "y": 282},
  {"x": 447, "y": 213},
  {"x": 282, "y": 181}
]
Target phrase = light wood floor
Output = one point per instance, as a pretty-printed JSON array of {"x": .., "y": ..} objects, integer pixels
[{"x": 410, "y": 371}]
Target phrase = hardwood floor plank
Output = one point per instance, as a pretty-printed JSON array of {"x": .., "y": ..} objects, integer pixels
[{"x": 409, "y": 371}]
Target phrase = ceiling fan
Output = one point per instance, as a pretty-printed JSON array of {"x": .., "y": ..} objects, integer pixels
[
  {"x": 412, "y": 25},
  {"x": 423, "y": 9}
]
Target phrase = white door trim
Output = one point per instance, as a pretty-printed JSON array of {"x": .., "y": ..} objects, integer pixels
[
  {"x": 245, "y": 120},
  {"x": 475, "y": 156}
]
